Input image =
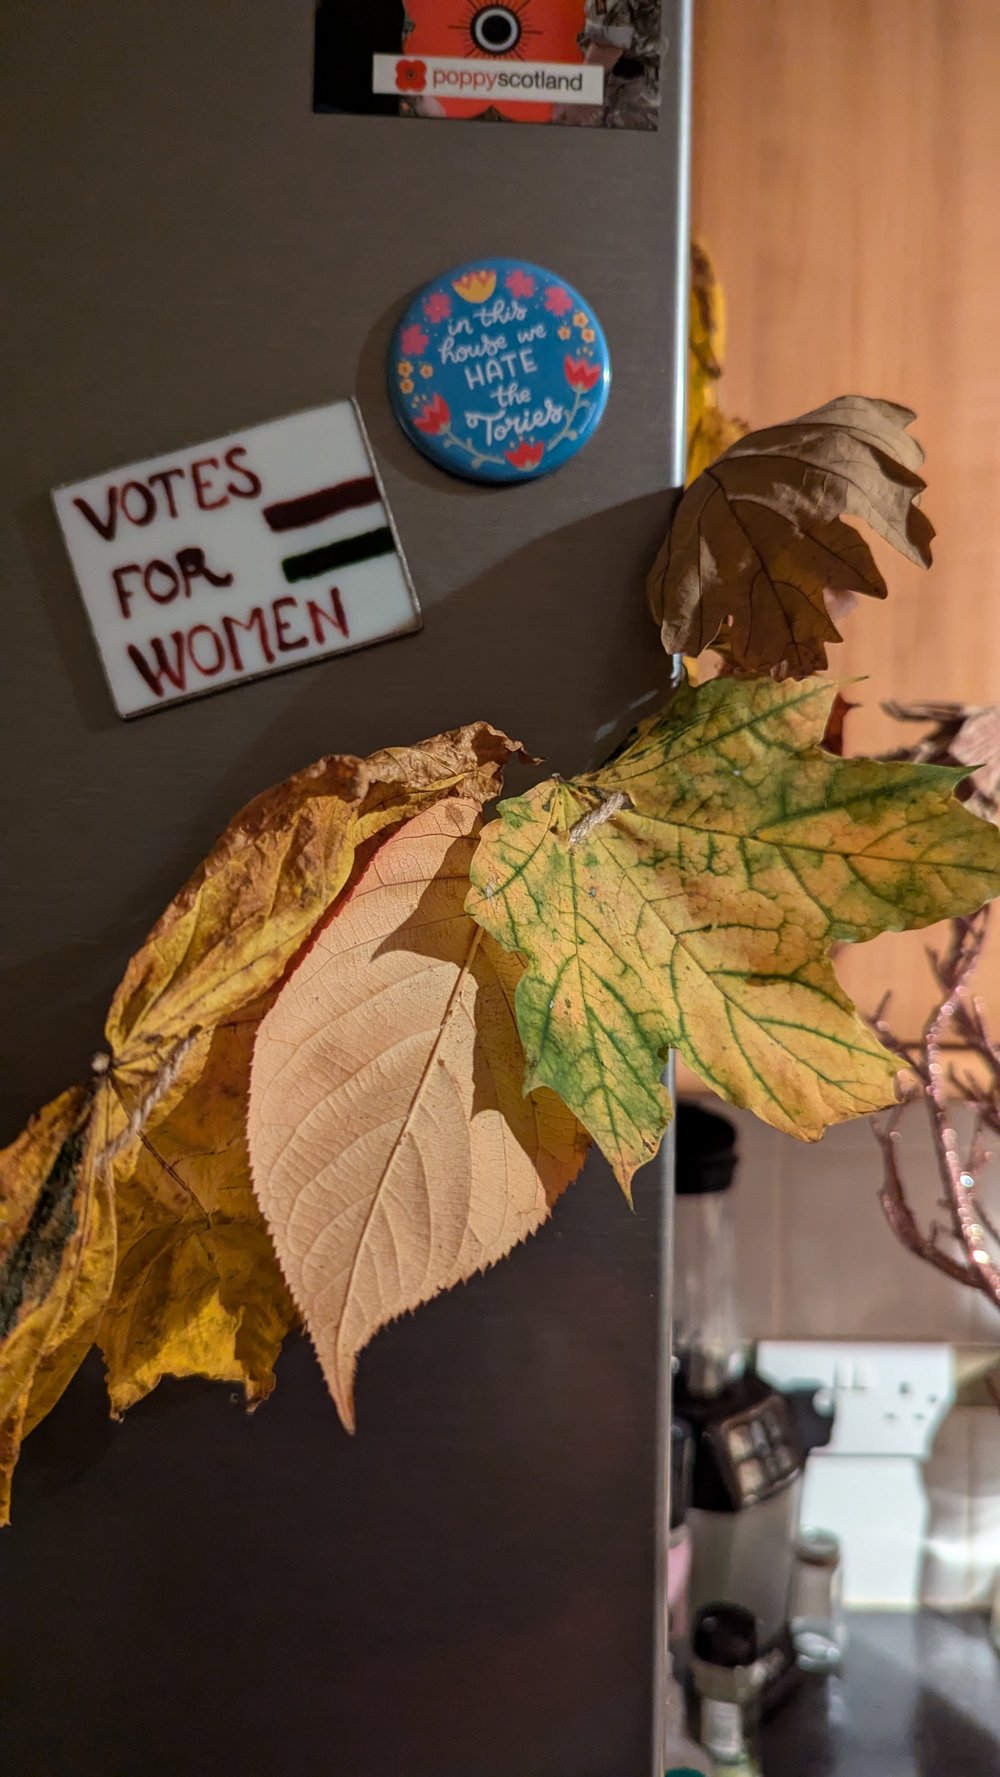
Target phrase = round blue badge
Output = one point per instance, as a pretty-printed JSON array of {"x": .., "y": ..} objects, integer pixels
[{"x": 499, "y": 371}]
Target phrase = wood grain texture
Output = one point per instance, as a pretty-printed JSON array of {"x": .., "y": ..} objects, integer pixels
[{"x": 845, "y": 159}]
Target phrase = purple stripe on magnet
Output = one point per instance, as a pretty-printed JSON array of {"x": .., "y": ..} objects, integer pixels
[{"x": 326, "y": 502}]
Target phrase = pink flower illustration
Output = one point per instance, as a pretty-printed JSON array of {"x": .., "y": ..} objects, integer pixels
[
  {"x": 435, "y": 418},
  {"x": 413, "y": 340},
  {"x": 580, "y": 374},
  {"x": 520, "y": 283},
  {"x": 557, "y": 300},
  {"x": 437, "y": 306},
  {"x": 526, "y": 456}
]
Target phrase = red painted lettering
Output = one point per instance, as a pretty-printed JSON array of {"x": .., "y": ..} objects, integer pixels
[
  {"x": 154, "y": 672},
  {"x": 219, "y": 661},
  {"x": 170, "y": 575},
  {"x": 281, "y": 626},
  {"x": 201, "y": 490},
  {"x": 254, "y": 623},
  {"x": 125, "y": 593},
  {"x": 167, "y": 476},
  {"x": 147, "y": 506},
  {"x": 106, "y": 527},
  {"x": 253, "y": 488},
  {"x": 193, "y": 566},
  {"x": 335, "y": 615}
]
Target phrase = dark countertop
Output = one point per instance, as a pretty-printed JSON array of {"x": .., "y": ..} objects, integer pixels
[{"x": 919, "y": 1697}]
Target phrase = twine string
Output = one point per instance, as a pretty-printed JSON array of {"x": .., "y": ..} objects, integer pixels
[
  {"x": 154, "y": 1095},
  {"x": 605, "y": 811}
]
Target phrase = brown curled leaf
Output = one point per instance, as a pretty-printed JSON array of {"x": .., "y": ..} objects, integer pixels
[{"x": 758, "y": 542}]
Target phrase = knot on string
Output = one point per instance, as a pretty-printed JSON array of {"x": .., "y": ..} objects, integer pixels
[
  {"x": 154, "y": 1095},
  {"x": 596, "y": 818}
]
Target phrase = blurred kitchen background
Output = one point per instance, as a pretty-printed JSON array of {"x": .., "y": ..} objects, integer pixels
[{"x": 846, "y": 156}]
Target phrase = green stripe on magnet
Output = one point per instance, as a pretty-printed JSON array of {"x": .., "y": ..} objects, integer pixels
[{"x": 331, "y": 556}]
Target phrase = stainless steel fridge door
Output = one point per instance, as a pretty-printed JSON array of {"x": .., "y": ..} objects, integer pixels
[{"x": 468, "y": 1588}]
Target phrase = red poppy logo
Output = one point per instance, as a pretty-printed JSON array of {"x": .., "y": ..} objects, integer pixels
[
  {"x": 580, "y": 374},
  {"x": 413, "y": 340},
  {"x": 544, "y": 30},
  {"x": 411, "y": 76},
  {"x": 526, "y": 456},
  {"x": 520, "y": 283},
  {"x": 557, "y": 300},
  {"x": 435, "y": 418},
  {"x": 438, "y": 306}
]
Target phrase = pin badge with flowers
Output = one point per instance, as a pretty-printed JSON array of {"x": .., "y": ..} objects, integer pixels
[{"x": 499, "y": 371}]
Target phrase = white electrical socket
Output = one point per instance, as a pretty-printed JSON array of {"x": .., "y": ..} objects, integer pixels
[{"x": 890, "y": 1398}]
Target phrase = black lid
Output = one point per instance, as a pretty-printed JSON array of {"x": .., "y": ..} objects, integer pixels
[
  {"x": 681, "y": 1467},
  {"x": 725, "y": 1635},
  {"x": 706, "y": 1150}
]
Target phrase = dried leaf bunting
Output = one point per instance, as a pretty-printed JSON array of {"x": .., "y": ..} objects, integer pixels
[
  {"x": 687, "y": 895},
  {"x": 394, "y": 1150},
  {"x": 126, "y": 1212},
  {"x": 759, "y": 540}
]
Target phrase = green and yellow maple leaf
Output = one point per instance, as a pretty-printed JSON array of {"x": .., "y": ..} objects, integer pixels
[{"x": 687, "y": 894}]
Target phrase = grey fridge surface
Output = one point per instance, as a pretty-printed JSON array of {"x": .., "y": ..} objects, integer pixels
[{"x": 468, "y": 1587}]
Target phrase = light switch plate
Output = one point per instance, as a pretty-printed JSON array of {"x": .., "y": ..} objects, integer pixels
[
  {"x": 890, "y": 1398},
  {"x": 252, "y": 553},
  {"x": 867, "y": 1485}
]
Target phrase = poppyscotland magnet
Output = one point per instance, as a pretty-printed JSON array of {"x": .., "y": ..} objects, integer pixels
[{"x": 499, "y": 371}]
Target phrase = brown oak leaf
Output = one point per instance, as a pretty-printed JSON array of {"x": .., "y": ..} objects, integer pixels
[{"x": 758, "y": 544}]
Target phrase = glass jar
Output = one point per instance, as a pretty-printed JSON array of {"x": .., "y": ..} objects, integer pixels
[
  {"x": 817, "y": 1602},
  {"x": 709, "y": 1352},
  {"x": 683, "y": 1758},
  {"x": 679, "y": 1544},
  {"x": 727, "y": 1679}
]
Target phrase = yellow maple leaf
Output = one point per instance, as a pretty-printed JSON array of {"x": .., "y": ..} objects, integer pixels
[
  {"x": 687, "y": 895},
  {"x": 394, "y": 1151}
]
